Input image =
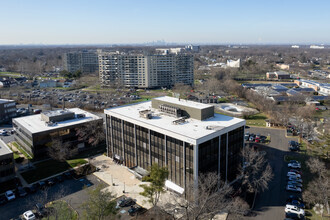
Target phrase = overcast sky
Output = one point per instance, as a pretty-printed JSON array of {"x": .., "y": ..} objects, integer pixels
[{"x": 180, "y": 21}]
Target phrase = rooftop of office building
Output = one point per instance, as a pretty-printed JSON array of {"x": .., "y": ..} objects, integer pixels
[
  {"x": 4, "y": 149},
  {"x": 38, "y": 123},
  {"x": 189, "y": 129}
]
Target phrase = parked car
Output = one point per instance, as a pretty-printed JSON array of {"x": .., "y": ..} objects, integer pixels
[
  {"x": 295, "y": 183},
  {"x": 251, "y": 138},
  {"x": 21, "y": 191},
  {"x": 296, "y": 203},
  {"x": 32, "y": 189},
  {"x": 246, "y": 136},
  {"x": 294, "y": 164},
  {"x": 296, "y": 171},
  {"x": 293, "y": 174},
  {"x": 50, "y": 181},
  {"x": 42, "y": 184},
  {"x": 294, "y": 209},
  {"x": 294, "y": 197},
  {"x": 294, "y": 148},
  {"x": 3, "y": 200},
  {"x": 41, "y": 210},
  {"x": 293, "y": 178},
  {"x": 294, "y": 216},
  {"x": 37, "y": 111},
  {"x": 134, "y": 209},
  {"x": 126, "y": 202},
  {"x": 293, "y": 188},
  {"x": 28, "y": 215},
  {"x": 10, "y": 195}
]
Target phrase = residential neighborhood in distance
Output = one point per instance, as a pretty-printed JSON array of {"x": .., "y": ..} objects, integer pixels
[{"x": 155, "y": 110}]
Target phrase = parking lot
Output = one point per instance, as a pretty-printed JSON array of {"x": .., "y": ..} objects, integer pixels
[
  {"x": 70, "y": 190},
  {"x": 271, "y": 203}
]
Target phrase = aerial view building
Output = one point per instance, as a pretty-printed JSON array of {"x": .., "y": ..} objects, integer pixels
[
  {"x": 146, "y": 71},
  {"x": 35, "y": 133},
  {"x": 277, "y": 75},
  {"x": 7, "y": 166},
  {"x": 185, "y": 136},
  {"x": 7, "y": 110},
  {"x": 85, "y": 61}
]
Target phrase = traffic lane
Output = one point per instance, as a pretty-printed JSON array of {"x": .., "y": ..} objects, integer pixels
[
  {"x": 270, "y": 204},
  {"x": 17, "y": 207}
]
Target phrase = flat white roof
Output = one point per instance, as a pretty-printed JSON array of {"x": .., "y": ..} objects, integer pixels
[
  {"x": 34, "y": 124},
  {"x": 183, "y": 102},
  {"x": 192, "y": 130},
  {"x": 4, "y": 149}
]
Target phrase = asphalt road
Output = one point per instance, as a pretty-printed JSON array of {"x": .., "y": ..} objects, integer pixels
[
  {"x": 71, "y": 190},
  {"x": 270, "y": 204}
]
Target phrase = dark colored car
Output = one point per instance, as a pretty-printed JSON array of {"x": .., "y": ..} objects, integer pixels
[
  {"x": 294, "y": 148},
  {"x": 3, "y": 200},
  {"x": 21, "y": 191},
  {"x": 294, "y": 197},
  {"x": 41, "y": 210},
  {"x": 126, "y": 202},
  {"x": 135, "y": 209},
  {"x": 294, "y": 216},
  {"x": 51, "y": 182},
  {"x": 297, "y": 203},
  {"x": 42, "y": 184}
]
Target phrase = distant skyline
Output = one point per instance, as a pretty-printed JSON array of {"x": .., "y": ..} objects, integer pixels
[{"x": 63, "y": 22}]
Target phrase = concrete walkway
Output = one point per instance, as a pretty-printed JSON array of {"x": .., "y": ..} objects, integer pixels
[{"x": 119, "y": 179}]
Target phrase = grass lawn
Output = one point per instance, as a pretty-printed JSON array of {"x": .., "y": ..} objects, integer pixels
[
  {"x": 76, "y": 162},
  {"x": 21, "y": 150},
  {"x": 11, "y": 74},
  {"x": 62, "y": 210},
  {"x": 257, "y": 120},
  {"x": 48, "y": 168},
  {"x": 310, "y": 214}
]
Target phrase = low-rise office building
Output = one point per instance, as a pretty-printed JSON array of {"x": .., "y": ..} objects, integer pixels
[
  {"x": 7, "y": 110},
  {"x": 35, "y": 133},
  {"x": 277, "y": 75},
  {"x": 7, "y": 166},
  {"x": 185, "y": 136}
]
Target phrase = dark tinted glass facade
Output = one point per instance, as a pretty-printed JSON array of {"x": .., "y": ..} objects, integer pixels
[
  {"x": 208, "y": 155},
  {"x": 139, "y": 146}
]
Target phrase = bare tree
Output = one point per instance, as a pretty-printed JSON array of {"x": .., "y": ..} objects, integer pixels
[
  {"x": 255, "y": 173},
  {"x": 93, "y": 133},
  {"x": 61, "y": 151},
  {"x": 212, "y": 196},
  {"x": 318, "y": 190}
]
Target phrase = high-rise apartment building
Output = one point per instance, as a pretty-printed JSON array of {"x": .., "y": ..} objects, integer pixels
[
  {"x": 146, "y": 71},
  {"x": 186, "y": 137},
  {"x": 85, "y": 61}
]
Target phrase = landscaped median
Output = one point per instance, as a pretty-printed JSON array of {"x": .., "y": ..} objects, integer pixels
[{"x": 49, "y": 168}]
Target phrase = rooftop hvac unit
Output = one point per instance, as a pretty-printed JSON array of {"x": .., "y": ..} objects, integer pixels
[
  {"x": 146, "y": 114},
  {"x": 80, "y": 115}
]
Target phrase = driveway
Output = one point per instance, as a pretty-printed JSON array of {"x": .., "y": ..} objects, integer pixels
[
  {"x": 71, "y": 190},
  {"x": 270, "y": 204}
]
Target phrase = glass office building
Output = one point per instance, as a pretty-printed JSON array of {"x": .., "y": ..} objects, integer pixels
[{"x": 140, "y": 135}]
